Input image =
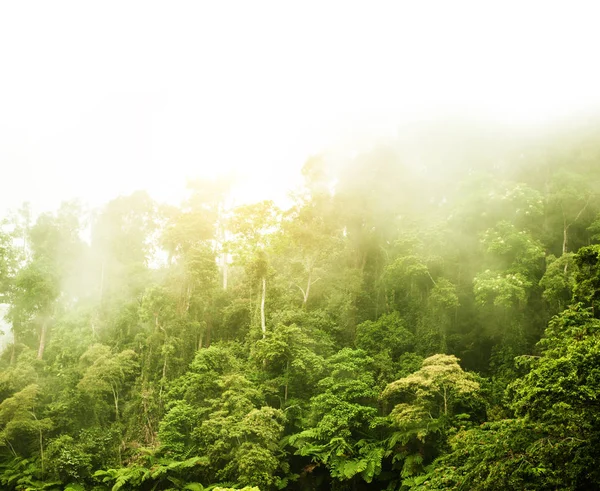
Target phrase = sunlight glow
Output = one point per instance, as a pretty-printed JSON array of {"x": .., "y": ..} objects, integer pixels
[{"x": 100, "y": 104}]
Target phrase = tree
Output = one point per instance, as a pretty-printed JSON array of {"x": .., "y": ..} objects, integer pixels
[
  {"x": 572, "y": 198},
  {"x": 287, "y": 354},
  {"x": 20, "y": 428},
  {"x": 106, "y": 374},
  {"x": 239, "y": 436},
  {"x": 8, "y": 260},
  {"x": 337, "y": 432},
  {"x": 56, "y": 250},
  {"x": 122, "y": 246},
  {"x": 429, "y": 399},
  {"x": 253, "y": 227}
]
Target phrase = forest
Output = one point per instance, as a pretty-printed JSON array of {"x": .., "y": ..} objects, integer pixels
[{"x": 424, "y": 316}]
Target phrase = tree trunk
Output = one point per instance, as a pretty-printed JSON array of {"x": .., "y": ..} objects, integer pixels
[
  {"x": 565, "y": 243},
  {"x": 116, "y": 399},
  {"x": 42, "y": 345},
  {"x": 565, "y": 236},
  {"x": 304, "y": 302},
  {"x": 263, "y": 324}
]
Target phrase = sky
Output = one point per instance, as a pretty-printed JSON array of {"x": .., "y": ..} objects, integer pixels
[{"x": 99, "y": 99}]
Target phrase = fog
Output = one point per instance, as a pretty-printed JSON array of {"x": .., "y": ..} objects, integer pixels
[
  {"x": 305, "y": 246},
  {"x": 98, "y": 100}
]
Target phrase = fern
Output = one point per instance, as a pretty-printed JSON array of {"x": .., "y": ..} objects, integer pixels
[{"x": 194, "y": 486}]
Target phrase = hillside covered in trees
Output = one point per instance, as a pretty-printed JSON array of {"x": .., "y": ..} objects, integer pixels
[{"x": 425, "y": 316}]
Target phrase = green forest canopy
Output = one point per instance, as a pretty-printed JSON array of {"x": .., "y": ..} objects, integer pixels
[{"x": 431, "y": 323}]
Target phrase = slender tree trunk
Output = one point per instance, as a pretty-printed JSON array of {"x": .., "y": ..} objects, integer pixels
[
  {"x": 565, "y": 243},
  {"x": 116, "y": 399},
  {"x": 565, "y": 236},
  {"x": 12, "y": 449},
  {"x": 263, "y": 324},
  {"x": 42, "y": 345},
  {"x": 188, "y": 297},
  {"x": 41, "y": 440},
  {"x": 304, "y": 302}
]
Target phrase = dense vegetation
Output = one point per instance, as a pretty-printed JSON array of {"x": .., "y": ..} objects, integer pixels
[{"x": 429, "y": 322}]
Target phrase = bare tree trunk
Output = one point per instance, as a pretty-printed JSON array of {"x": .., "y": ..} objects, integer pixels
[
  {"x": 164, "y": 369},
  {"x": 565, "y": 236},
  {"x": 116, "y": 399},
  {"x": 42, "y": 345},
  {"x": 304, "y": 302},
  {"x": 187, "y": 299},
  {"x": 263, "y": 324},
  {"x": 306, "y": 292}
]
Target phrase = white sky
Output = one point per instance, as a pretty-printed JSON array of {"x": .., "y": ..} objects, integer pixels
[{"x": 102, "y": 98}]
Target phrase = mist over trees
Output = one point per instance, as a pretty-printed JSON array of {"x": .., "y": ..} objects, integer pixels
[{"x": 424, "y": 316}]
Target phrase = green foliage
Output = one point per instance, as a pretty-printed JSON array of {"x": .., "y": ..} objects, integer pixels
[
  {"x": 428, "y": 400},
  {"x": 162, "y": 472},
  {"x": 21, "y": 474},
  {"x": 552, "y": 442},
  {"x": 19, "y": 425},
  {"x": 387, "y": 333},
  {"x": 558, "y": 281},
  {"x": 69, "y": 460},
  {"x": 337, "y": 433},
  {"x": 206, "y": 347},
  {"x": 501, "y": 290},
  {"x": 105, "y": 374}
]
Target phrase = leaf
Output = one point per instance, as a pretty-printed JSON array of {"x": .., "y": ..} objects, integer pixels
[
  {"x": 74, "y": 487},
  {"x": 194, "y": 486}
]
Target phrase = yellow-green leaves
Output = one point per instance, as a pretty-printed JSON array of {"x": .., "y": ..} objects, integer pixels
[{"x": 433, "y": 387}]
